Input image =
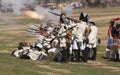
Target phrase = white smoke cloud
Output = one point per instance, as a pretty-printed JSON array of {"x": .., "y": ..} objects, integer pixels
[
  {"x": 17, "y": 4},
  {"x": 68, "y": 9},
  {"x": 20, "y": 4},
  {"x": 48, "y": 16}
]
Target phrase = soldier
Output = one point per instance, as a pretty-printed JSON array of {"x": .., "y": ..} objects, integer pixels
[
  {"x": 92, "y": 41},
  {"x": 79, "y": 36},
  {"x": 110, "y": 40}
]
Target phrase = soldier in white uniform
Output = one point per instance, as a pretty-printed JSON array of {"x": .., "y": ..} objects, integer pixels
[
  {"x": 63, "y": 42},
  {"x": 79, "y": 36},
  {"x": 92, "y": 37}
]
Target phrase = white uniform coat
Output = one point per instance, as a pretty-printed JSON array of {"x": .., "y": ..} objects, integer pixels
[
  {"x": 62, "y": 29},
  {"x": 80, "y": 31},
  {"x": 93, "y": 35}
]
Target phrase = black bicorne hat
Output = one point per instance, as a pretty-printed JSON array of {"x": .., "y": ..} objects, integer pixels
[
  {"x": 84, "y": 17},
  {"x": 93, "y": 23}
]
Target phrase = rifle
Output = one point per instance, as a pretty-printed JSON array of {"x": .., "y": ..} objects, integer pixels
[
  {"x": 54, "y": 13},
  {"x": 66, "y": 17},
  {"x": 68, "y": 29},
  {"x": 63, "y": 32}
]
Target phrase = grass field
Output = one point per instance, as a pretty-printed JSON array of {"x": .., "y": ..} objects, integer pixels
[{"x": 11, "y": 35}]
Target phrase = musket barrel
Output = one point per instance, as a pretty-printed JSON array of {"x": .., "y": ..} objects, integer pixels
[{"x": 66, "y": 17}]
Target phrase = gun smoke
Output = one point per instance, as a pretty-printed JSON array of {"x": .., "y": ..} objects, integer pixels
[{"x": 18, "y": 5}]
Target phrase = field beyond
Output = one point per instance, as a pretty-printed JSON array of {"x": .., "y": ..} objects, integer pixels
[{"x": 12, "y": 32}]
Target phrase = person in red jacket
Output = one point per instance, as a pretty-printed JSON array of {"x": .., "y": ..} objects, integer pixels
[{"x": 112, "y": 36}]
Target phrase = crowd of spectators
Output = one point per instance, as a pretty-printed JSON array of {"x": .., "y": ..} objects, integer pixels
[{"x": 95, "y": 3}]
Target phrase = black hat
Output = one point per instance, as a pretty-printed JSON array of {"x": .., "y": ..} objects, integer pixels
[
  {"x": 83, "y": 17},
  {"x": 61, "y": 17},
  {"x": 93, "y": 23},
  {"x": 112, "y": 22}
]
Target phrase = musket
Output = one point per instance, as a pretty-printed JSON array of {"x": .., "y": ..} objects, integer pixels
[
  {"x": 66, "y": 17},
  {"x": 68, "y": 29},
  {"x": 63, "y": 32},
  {"x": 54, "y": 13}
]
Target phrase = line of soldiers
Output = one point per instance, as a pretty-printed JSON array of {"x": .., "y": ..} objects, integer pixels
[{"x": 71, "y": 40}]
